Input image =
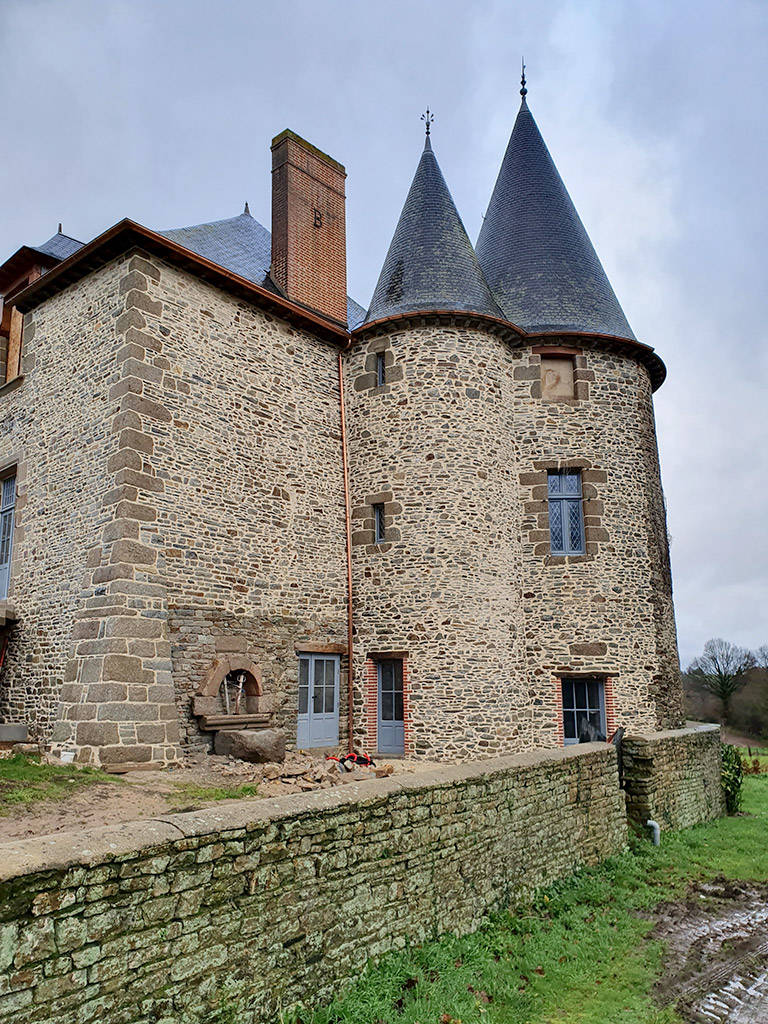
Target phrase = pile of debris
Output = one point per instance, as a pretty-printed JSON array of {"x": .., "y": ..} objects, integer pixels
[{"x": 297, "y": 774}]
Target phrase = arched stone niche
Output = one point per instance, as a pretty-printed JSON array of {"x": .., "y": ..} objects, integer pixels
[
  {"x": 208, "y": 699},
  {"x": 220, "y": 669}
]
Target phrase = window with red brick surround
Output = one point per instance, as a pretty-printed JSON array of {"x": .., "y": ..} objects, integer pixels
[{"x": 557, "y": 703}]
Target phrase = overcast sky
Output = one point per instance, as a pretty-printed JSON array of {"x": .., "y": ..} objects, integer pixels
[{"x": 653, "y": 110}]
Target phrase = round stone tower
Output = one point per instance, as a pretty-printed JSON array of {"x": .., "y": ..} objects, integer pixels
[{"x": 510, "y": 564}]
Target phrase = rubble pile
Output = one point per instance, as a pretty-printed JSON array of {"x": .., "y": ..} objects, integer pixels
[{"x": 298, "y": 774}]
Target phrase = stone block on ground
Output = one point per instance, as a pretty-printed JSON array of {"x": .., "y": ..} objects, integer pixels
[{"x": 257, "y": 745}]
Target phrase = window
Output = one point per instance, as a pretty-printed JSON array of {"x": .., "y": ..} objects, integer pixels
[
  {"x": 556, "y": 377},
  {"x": 378, "y": 524},
  {"x": 566, "y": 515},
  {"x": 381, "y": 370},
  {"x": 583, "y": 710},
  {"x": 7, "y": 502}
]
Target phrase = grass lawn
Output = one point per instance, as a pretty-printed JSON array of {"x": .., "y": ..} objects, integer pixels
[
  {"x": 192, "y": 795},
  {"x": 578, "y": 954},
  {"x": 24, "y": 780}
]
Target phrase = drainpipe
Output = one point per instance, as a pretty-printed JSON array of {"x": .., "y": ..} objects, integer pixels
[
  {"x": 348, "y": 525},
  {"x": 656, "y": 831}
]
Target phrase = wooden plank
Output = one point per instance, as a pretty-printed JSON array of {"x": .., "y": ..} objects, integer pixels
[
  {"x": 14, "y": 345},
  {"x": 214, "y": 722}
]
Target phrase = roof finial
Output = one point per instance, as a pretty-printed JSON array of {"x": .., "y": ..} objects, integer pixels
[
  {"x": 60, "y": 227},
  {"x": 523, "y": 91},
  {"x": 427, "y": 119},
  {"x": 247, "y": 210}
]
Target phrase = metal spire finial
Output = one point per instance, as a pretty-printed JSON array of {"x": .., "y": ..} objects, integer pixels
[
  {"x": 60, "y": 231},
  {"x": 247, "y": 208},
  {"x": 427, "y": 119},
  {"x": 523, "y": 91}
]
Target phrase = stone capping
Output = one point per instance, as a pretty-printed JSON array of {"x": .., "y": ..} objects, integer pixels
[
  {"x": 11, "y": 385},
  {"x": 690, "y": 729},
  {"x": 101, "y": 845},
  {"x": 221, "y": 668}
]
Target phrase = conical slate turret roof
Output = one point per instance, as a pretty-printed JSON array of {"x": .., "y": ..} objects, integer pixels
[
  {"x": 536, "y": 256},
  {"x": 431, "y": 264}
]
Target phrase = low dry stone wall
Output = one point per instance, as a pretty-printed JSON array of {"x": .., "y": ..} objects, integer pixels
[
  {"x": 231, "y": 914},
  {"x": 674, "y": 777}
]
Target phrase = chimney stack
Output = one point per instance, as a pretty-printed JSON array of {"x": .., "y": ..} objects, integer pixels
[{"x": 309, "y": 249}]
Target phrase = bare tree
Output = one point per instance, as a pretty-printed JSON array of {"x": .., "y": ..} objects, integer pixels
[
  {"x": 761, "y": 656},
  {"x": 721, "y": 670}
]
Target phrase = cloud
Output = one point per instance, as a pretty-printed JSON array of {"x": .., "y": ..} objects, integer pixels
[{"x": 654, "y": 113}]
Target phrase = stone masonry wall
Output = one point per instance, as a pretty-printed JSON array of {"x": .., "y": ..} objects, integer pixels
[
  {"x": 55, "y": 428},
  {"x": 286, "y": 899},
  {"x": 456, "y": 446},
  {"x": 608, "y": 612},
  {"x": 435, "y": 445},
  {"x": 249, "y": 520},
  {"x": 180, "y": 502},
  {"x": 674, "y": 777}
]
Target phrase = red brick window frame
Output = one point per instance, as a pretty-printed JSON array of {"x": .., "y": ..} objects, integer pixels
[
  {"x": 608, "y": 698},
  {"x": 372, "y": 698}
]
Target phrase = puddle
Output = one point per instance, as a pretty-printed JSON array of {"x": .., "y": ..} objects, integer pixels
[{"x": 716, "y": 968}]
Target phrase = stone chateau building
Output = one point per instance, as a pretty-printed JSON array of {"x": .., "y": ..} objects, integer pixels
[{"x": 232, "y": 497}]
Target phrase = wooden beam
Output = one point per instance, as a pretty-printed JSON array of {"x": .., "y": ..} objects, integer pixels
[{"x": 14, "y": 345}]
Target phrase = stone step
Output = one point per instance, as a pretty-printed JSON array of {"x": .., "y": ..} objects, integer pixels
[
  {"x": 7, "y": 614},
  {"x": 14, "y": 732},
  {"x": 215, "y": 723}
]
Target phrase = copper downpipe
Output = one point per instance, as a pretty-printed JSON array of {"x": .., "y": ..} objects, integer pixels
[{"x": 348, "y": 523}]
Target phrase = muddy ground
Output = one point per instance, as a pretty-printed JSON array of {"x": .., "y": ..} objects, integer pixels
[
  {"x": 152, "y": 794},
  {"x": 716, "y": 967}
]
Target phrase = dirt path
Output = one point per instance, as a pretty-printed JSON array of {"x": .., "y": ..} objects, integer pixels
[
  {"x": 717, "y": 961},
  {"x": 153, "y": 794}
]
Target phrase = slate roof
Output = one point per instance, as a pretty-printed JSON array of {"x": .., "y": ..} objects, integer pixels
[
  {"x": 60, "y": 246},
  {"x": 431, "y": 264},
  {"x": 535, "y": 253},
  {"x": 239, "y": 244},
  {"x": 244, "y": 246}
]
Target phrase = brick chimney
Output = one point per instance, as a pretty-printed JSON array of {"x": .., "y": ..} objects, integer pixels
[{"x": 309, "y": 250}]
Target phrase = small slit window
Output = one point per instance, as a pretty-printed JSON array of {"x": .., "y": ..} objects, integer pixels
[
  {"x": 381, "y": 369},
  {"x": 378, "y": 524}
]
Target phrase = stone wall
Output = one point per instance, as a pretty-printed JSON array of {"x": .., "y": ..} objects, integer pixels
[
  {"x": 250, "y": 518},
  {"x": 55, "y": 428},
  {"x": 181, "y": 501},
  {"x": 287, "y": 899},
  {"x": 673, "y": 777},
  {"x": 435, "y": 444},
  {"x": 456, "y": 445}
]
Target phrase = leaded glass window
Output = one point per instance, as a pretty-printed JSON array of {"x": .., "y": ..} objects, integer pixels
[{"x": 566, "y": 514}]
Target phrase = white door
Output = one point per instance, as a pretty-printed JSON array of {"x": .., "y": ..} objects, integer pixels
[{"x": 318, "y": 721}]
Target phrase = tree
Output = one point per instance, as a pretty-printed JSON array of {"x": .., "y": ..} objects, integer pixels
[{"x": 721, "y": 670}]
